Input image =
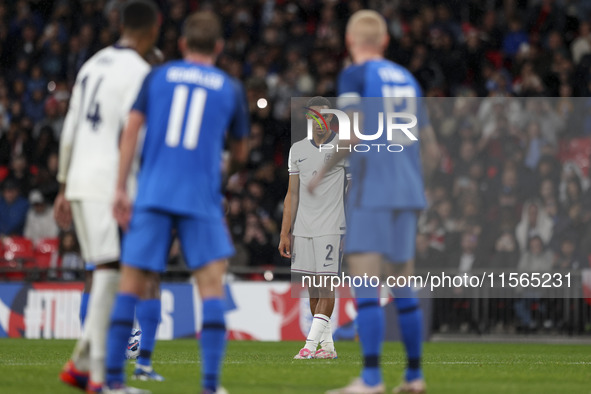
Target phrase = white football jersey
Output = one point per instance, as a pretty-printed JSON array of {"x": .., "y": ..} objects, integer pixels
[
  {"x": 322, "y": 213},
  {"x": 105, "y": 89}
]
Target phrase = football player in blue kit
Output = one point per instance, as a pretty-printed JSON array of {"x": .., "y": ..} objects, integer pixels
[
  {"x": 187, "y": 107},
  {"x": 385, "y": 197}
]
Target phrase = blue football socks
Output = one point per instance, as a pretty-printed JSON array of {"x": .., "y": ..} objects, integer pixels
[
  {"x": 148, "y": 316},
  {"x": 213, "y": 342},
  {"x": 410, "y": 318},
  {"x": 119, "y": 330},
  {"x": 83, "y": 307},
  {"x": 370, "y": 327}
]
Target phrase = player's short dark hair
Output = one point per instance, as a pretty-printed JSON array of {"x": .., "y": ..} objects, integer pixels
[
  {"x": 318, "y": 101},
  {"x": 139, "y": 14},
  {"x": 202, "y": 30}
]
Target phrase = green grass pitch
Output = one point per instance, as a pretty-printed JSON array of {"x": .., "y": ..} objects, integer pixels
[{"x": 32, "y": 366}]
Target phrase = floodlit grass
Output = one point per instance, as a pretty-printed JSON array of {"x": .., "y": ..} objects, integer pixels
[{"x": 32, "y": 366}]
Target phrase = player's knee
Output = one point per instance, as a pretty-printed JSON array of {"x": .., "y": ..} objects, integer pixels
[
  {"x": 133, "y": 281},
  {"x": 153, "y": 285}
]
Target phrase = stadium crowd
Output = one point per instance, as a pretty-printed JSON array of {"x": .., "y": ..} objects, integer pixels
[{"x": 504, "y": 195}]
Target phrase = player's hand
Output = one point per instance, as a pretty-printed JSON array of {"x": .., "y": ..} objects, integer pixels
[
  {"x": 62, "y": 212},
  {"x": 285, "y": 246},
  {"x": 122, "y": 209}
]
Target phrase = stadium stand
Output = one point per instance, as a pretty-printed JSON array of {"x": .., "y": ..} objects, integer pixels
[{"x": 281, "y": 49}]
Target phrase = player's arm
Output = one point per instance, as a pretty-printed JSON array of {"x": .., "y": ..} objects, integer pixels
[
  {"x": 62, "y": 212},
  {"x": 239, "y": 130},
  {"x": 127, "y": 148},
  {"x": 238, "y": 154},
  {"x": 289, "y": 202}
]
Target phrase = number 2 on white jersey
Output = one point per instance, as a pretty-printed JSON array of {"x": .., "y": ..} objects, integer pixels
[{"x": 177, "y": 114}]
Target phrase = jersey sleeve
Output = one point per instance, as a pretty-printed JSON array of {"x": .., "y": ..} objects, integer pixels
[
  {"x": 141, "y": 101},
  {"x": 68, "y": 132},
  {"x": 240, "y": 125},
  {"x": 350, "y": 88},
  {"x": 292, "y": 164},
  {"x": 135, "y": 84}
]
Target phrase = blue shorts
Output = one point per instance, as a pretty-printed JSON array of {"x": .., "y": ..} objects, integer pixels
[
  {"x": 392, "y": 233},
  {"x": 147, "y": 242}
]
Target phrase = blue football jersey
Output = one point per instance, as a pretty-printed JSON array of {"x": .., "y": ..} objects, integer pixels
[
  {"x": 188, "y": 108},
  {"x": 384, "y": 179}
]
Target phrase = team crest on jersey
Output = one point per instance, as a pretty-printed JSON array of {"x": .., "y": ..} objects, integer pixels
[{"x": 327, "y": 157}]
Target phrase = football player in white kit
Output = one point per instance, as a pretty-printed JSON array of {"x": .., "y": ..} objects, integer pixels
[
  {"x": 105, "y": 88},
  {"x": 317, "y": 223}
]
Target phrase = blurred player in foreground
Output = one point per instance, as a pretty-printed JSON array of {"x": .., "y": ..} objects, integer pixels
[
  {"x": 384, "y": 200},
  {"x": 148, "y": 311},
  {"x": 102, "y": 96},
  {"x": 187, "y": 107},
  {"x": 317, "y": 223}
]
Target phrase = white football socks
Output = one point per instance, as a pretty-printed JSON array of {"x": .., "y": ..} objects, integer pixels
[
  {"x": 81, "y": 354},
  {"x": 102, "y": 295},
  {"x": 326, "y": 341},
  {"x": 319, "y": 324}
]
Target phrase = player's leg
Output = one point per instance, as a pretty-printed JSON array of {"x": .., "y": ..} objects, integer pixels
[
  {"x": 410, "y": 317},
  {"x": 86, "y": 292},
  {"x": 148, "y": 316},
  {"x": 330, "y": 255},
  {"x": 209, "y": 280},
  {"x": 303, "y": 264},
  {"x": 131, "y": 288},
  {"x": 319, "y": 322},
  {"x": 370, "y": 326},
  {"x": 313, "y": 294},
  {"x": 145, "y": 247},
  {"x": 324, "y": 311},
  {"x": 99, "y": 240},
  {"x": 370, "y": 315},
  {"x": 102, "y": 295},
  {"x": 104, "y": 250},
  {"x": 364, "y": 250},
  {"x": 206, "y": 246}
]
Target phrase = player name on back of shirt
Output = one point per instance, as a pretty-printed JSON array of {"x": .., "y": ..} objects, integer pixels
[{"x": 211, "y": 80}]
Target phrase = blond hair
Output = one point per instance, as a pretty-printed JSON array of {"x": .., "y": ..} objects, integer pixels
[{"x": 367, "y": 28}]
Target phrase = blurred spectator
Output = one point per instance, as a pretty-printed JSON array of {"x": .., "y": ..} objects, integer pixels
[
  {"x": 534, "y": 221},
  {"x": 40, "y": 223},
  {"x": 537, "y": 258},
  {"x": 506, "y": 252},
  {"x": 72, "y": 263},
  {"x": 581, "y": 45},
  {"x": 567, "y": 258},
  {"x": 19, "y": 174},
  {"x": 467, "y": 259},
  {"x": 13, "y": 210},
  {"x": 498, "y": 153},
  {"x": 426, "y": 257},
  {"x": 257, "y": 241}
]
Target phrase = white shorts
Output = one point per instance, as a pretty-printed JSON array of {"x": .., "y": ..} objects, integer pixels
[
  {"x": 318, "y": 255},
  {"x": 97, "y": 231}
]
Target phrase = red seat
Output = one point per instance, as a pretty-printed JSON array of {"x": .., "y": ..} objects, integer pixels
[
  {"x": 45, "y": 251},
  {"x": 18, "y": 248},
  {"x": 48, "y": 245}
]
